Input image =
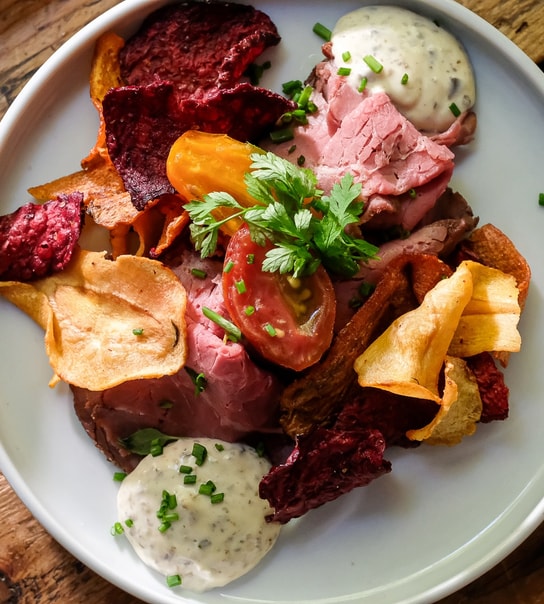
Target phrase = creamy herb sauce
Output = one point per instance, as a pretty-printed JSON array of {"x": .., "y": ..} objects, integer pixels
[
  {"x": 438, "y": 70},
  {"x": 211, "y": 544}
]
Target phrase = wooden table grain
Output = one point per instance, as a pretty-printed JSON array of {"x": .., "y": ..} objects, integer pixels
[{"x": 33, "y": 566}]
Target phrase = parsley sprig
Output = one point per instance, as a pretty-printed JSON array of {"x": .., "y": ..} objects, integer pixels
[{"x": 307, "y": 227}]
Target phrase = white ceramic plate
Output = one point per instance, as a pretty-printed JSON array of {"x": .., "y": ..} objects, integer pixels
[{"x": 443, "y": 516}]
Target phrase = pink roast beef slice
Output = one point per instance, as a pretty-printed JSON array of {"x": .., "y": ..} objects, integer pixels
[
  {"x": 402, "y": 171},
  {"x": 239, "y": 400}
]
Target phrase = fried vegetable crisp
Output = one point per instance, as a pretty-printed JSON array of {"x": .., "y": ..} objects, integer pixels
[{"x": 107, "y": 322}]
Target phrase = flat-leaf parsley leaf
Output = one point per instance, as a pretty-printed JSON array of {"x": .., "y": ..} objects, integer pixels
[{"x": 307, "y": 227}]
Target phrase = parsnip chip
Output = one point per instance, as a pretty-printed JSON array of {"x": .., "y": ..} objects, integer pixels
[
  {"x": 106, "y": 321},
  {"x": 407, "y": 358},
  {"x": 490, "y": 319},
  {"x": 460, "y": 410}
]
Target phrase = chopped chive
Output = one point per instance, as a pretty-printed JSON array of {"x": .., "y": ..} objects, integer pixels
[
  {"x": 233, "y": 333},
  {"x": 117, "y": 529},
  {"x": 373, "y": 63},
  {"x": 170, "y": 517},
  {"x": 164, "y": 526},
  {"x": 129, "y": 522},
  {"x": 322, "y": 31},
  {"x": 363, "y": 84},
  {"x": 173, "y": 580},
  {"x": 346, "y": 56},
  {"x": 270, "y": 330},
  {"x": 301, "y": 160},
  {"x": 156, "y": 447},
  {"x": 228, "y": 266},
  {"x": 217, "y": 497},
  {"x": 200, "y": 453},
  {"x": 404, "y": 79},
  {"x": 250, "y": 258},
  {"x": 189, "y": 479},
  {"x": 183, "y": 469},
  {"x": 207, "y": 488},
  {"x": 119, "y": 476},
  {"x": 199, "y": 273},
  {"x": 240, "y": 286},
  {"x": 412, "y": 193},
  {"x": 291, "y": 87},
  {"x": 455, "y": 110},
  {"x": 199, "y": 380},
  {"x": 282, "y": 135},
  {"x": 304, "y": 97},
  {"x": 219, "y": 447},
  {"x": 541, "y": 199},
  {"x": 291, "y": 149},
  {"x": 249, "y": 310},
  {"x": 344, "y": 71},
  {"x": 166, "y": 404},
  {"x": 138, "y": 331}
]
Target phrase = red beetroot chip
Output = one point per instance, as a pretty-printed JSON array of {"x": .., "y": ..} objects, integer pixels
[
  {"x": 197, "y": 45},
  {"x": 38, "y": 240},
  {"x": 324, "y": 465},
  {"x": 143, "y": 122},
  {"x": 493, "y": 389}
]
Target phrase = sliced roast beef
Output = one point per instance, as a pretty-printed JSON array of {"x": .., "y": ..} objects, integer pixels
[{"x": 239, "y": 398}]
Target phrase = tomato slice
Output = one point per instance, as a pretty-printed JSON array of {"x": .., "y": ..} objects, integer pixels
[{"x": 288, "y": 321}]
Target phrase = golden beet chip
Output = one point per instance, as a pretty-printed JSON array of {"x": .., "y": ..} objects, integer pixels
[
  {"x": 408, "y": 357},
  {"x": 460, "y": 410},
  {"x": 475, "y": 310},
  {"x": 107, "y": 321},
  {"x": 490, "y": 319}
]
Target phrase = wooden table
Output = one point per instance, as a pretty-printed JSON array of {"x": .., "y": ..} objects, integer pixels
[{"x": 33, "y": 567}]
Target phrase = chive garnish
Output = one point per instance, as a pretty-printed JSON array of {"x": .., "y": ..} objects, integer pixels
[
  {"x": 233, "y": 333},
  {"x": 240, "y": 286},
  {"x": 250, "y": 258},
  {"x": 282, "y": 135},
  {"x": 138, "y": 331},
  {"x": 404, "y": 79},
  {"x": 217, "y": 497},
  {"x": 346, "y": 56},
  {"x": 183, "y": 469},
  {"x": 119, "y": 476},
  {"x": 363, "y": 84},
  {"x": 322, "y": 31},
  {"x": 200, "y": 453},
  {"x": 344, "y": 71},
  {"x": 228, "y": 266},
  {"x": 189, "y": 479},
  {"x": 455, "y": 110},
  {"x": 219, "y": 447},
  {"x": 207, "y": 488},
  {"x": 173, "y": 580},
  {"x": 270, "y": 330},
  {"x": 129, "y": 522},
  {"x": 249, "y": 310},
  {"x": 541, "y": 199},
  {"x": 117, "y": 529},
  {"x": 373, "y": 63},
  {"x": 199, "y": 273}
]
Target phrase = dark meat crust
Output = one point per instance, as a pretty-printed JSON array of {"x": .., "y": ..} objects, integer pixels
[{"x": 313, "y": 399}]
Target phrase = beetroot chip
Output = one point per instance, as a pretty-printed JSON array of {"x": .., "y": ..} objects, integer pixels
[
  {"x": 197, "y": 45},
  {"x": 324, "y": 465},
  {"x": 493, "y": 389},
  {"x": 142, "y": 123},
  {"x": 37, "y": 240}
]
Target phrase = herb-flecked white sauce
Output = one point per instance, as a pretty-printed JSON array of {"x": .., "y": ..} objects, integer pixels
[
  {"x": 211, "y": 544},
  {"x": 425, "y": 68}
]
